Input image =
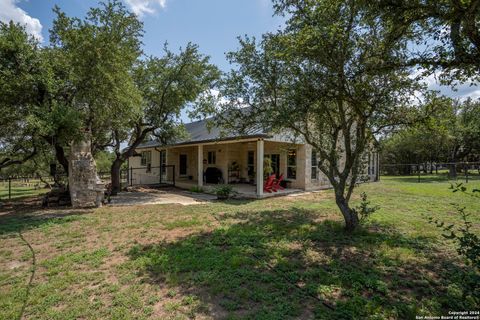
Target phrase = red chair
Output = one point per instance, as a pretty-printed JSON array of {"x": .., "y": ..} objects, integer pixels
[
  {"x": 267, "y": 185},
  {"x": 276, "y": 184}
]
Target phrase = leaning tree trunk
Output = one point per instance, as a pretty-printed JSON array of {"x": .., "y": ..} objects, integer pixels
[
  {"x": 350, "y": 216},
  {"x": 115, "y": 176}
]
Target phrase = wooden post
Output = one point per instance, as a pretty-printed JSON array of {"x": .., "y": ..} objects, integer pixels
[
  {"x": 200, "y": 165},
  {"x": 260, "y": 155}
]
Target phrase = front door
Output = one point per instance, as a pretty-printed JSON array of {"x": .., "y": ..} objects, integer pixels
[{"x": 183, "y": 164}]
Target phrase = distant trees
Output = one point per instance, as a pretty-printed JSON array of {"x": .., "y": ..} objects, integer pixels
[{"x": 450, "y": 134}]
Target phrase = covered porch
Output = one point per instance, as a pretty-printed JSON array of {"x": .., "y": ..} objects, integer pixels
[{"x": 239, "y": 163}]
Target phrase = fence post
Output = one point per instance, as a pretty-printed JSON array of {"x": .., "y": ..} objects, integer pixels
[
  {"x": 418, "y": 170},
  {"x": 9, "y": 188},
  {"x": 466, "y": 172},
  {"x": 131, "y": 176},
  {"x": 173, "y": 173}
]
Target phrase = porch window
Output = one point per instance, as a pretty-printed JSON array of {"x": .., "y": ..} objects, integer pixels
[
  {"x": 212, "y": 157},
  {"x": 163, "y": 161},
  {"x": 292, "y": 164},
  {"x": 251, "y": 164},
  {"x": 146, "y": 158},
  {"x": 314, "y": 174}
]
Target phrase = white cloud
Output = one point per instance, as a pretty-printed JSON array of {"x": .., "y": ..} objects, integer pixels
[
  {"x": 461, "y": 91},
  {"x": 142, "y": 7},
  {"x": 9, "y": 10}
]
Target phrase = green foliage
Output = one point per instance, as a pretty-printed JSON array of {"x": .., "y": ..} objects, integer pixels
[
  {"x": 450, "y": 134},
  {"x": 224, "y": 191},
  {"x": 168, "y": 85},
  {"x": 104, "y": 160},
  {"x": 449, "y": 27},
  {"x": 365, "y": 210},
  {"x": 197, "y": 189},
  {"x": 328, "y": 79},
  {"x": 467, "y": 242},
  {"x": 267, "y": 167}
]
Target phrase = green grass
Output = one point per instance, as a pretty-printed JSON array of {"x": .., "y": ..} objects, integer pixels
[{"x": 276, "y": 258}]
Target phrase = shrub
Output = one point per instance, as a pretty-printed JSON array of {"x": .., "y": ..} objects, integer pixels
[
  {"x": 196, "y": 189},
  {"x": 224, "y": 191},
  {"x": 364, "y": 210}
]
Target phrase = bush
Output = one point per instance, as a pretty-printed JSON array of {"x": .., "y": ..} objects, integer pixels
[
  {"x": 364, "y": 210},
  {"x": 196, "y": 189},
  {"x": 224, "y": 191}
]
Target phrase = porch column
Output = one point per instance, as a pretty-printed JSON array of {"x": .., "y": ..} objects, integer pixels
[
  {"x": 200, "y": 165},
  {"x": 260, "y": 155}
]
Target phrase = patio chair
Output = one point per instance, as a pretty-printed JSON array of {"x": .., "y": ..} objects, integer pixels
[
  {"x": 267, "y": 185},
  {"x": 276, "y": 184}
]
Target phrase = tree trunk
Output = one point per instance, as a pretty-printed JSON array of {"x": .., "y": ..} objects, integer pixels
[
  {"x": 350, "y": 216},
  {"x": 61, "y": 157},
  {"x": 115, "y": 176}
]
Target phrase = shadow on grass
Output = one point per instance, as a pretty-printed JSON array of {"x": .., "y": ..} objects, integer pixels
[
  {"x": 269, "y": 265},
  {"x": 35, "y": 217}
]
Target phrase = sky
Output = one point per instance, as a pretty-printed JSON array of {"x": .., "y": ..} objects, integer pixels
[{"x": 212, "y": 24}]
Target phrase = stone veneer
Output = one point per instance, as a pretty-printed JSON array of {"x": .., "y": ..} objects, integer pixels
[{"x": 86, "y": 189}]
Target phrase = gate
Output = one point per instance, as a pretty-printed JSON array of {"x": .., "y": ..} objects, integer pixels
[{"x": 151, "y": 176}]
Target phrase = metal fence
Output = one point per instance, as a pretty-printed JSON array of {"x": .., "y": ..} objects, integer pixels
[
  {"x": 18, "y": 187},
  {"x": 429, "y": 172},
  {"x": 148, "y": 175}
]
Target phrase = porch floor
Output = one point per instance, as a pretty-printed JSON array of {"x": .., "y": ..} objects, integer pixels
[{"x": 243, "y": 190}]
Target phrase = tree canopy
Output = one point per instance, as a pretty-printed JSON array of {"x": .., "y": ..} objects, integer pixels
[{"x": 328, "y": 78}]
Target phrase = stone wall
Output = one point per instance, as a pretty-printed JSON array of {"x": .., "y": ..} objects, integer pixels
[{"x": 86, "y": 189}]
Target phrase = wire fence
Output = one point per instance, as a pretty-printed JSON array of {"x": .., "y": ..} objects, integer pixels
[
  {"x": 431, "y": 172},
  {"x": 14, "y": 187}
]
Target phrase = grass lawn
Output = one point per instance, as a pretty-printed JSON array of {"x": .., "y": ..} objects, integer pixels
[
  {"x": 277, "y": 258},
  {"x": 21, "y": 189}
]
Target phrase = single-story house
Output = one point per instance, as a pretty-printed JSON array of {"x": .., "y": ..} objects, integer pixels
[{"x": 207, "y": 158}]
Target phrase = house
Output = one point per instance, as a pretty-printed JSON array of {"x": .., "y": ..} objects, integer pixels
[{"x": 207, "y": 158}]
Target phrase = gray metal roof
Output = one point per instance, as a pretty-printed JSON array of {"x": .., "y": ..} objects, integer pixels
[{"x": 199, "y": 132}]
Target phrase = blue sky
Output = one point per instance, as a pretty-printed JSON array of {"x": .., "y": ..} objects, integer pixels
[{"x": 212, "y": 24}]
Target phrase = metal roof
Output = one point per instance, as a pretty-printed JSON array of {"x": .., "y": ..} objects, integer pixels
[{"x": 199, "y": 132}]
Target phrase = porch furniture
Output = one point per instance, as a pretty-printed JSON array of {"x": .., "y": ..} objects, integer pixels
[
  {"x": 213, "y": 175},
  {"x": 267, "y": 185},
  {"x": 233, "y": 176},
  {"x": 277, "y": 184}
]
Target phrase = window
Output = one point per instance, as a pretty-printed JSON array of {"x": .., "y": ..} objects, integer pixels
[
  {"x": 163, "y": 161},
  {"x": 146, "y": 158},
  {"x": 251, "y": 163},
  {"x": 314, "y": 174},
  {"x": 212, "y": 157},
  {"x": 369, "y": 164},
  {"x": 183, "y": 165},
  {"x": 292, "y": 164}
]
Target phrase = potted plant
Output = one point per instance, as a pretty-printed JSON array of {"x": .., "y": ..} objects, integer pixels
[
  {"x": 224, "y": 191},
  {"x": 267, "y": 167}
]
